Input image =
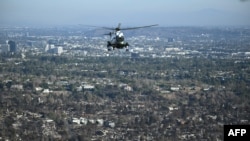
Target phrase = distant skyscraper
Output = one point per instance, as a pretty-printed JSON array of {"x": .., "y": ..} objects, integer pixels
[
  {"x": 47, "y": 47},
  {"x": 12, "y": 46},
  {"x": 58, "y": 50},
  {"x": 170, "y": 39},
  {"x": 54, "y": 49}
]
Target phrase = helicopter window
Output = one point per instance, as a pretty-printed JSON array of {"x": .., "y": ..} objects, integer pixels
[{"x": 119, "y": 38}]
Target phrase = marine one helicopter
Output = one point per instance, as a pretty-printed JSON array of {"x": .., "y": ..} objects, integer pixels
[{"x": 117, "y": 39}]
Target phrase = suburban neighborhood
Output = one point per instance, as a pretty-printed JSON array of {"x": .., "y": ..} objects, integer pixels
[{"x": 175, "y": 83}]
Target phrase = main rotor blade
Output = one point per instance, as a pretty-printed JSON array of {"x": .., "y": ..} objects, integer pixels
[
  {"x": 109, "y": 28},
  {"x": 110, "y": 33},
  {"x": 130, "y": 28},
  {"x": 119, "y": 26}
]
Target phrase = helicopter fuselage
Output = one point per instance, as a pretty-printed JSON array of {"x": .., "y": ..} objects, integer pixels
[{"x": 118, "y": 41}]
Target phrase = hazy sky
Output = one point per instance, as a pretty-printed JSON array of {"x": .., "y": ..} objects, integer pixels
[{"x": 128, "y": 12}]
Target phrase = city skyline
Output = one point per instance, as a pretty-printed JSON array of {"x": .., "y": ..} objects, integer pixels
[{"x": 111, "y": 12}]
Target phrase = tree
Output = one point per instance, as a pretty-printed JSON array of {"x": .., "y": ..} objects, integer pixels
[
  {"x": 28, "y": 86},
  {"x": 9, "y": 84},
  {"x": 1, "y": 86}
]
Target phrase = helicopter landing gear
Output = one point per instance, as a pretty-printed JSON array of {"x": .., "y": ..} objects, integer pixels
[
  {"x": 127, "y": 45},
  {"x": 108, "y": 44},
  {"x": 110, "y": 48}
]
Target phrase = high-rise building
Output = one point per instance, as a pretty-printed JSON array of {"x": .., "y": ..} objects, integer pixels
[
  {"x": 12, "y": 46},
  {"x": 58, "y": 50},
  {"x": 170, "y": 39},
  {"x": 51, "y": 48}
]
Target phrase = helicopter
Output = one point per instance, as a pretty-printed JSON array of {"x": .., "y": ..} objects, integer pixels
[{"x": 117, "y": 40}]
